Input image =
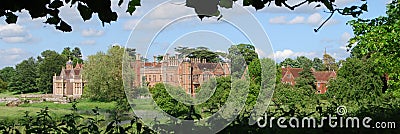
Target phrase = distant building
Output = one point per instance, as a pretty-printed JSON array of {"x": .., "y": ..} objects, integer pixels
[
  {"x": 69, "y": 83},
  {"x": 322, "y": 77},
  {"x": 177, "y": 72}
]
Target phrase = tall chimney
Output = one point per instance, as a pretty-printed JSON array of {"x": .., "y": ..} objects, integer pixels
[{"x": 138, "y": 57}]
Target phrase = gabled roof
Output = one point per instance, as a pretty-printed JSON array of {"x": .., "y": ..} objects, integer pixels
[
  {"x": 294, "y": 71},
  {"x": 324, "y": 75}
]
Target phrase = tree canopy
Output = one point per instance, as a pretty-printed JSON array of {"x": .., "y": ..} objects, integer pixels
[
  {"x": 378, "y": 39},
  {"x": 50, "y": 9}
]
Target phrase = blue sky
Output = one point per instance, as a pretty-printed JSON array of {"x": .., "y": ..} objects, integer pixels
[{"x": 290, "y": 32}]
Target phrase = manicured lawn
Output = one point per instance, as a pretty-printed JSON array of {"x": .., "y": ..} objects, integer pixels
[
  {"x": 85, "y": 105},
  {"x": 15, "y": 113},
  {"x": 56, "y": 110}
]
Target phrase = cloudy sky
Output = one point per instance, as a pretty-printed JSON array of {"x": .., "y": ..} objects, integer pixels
[{"x": 290, "y": 32}]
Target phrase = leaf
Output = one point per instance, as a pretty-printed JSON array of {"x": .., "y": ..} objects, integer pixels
[
  {"x": 53, "y": 20},
  {"x": 226, "y": 3},
  {"x": 56, "y": 4},
  {"x": 64, "y": 27},
  {"x": 132, "y": 6},
  {"x": 11, "y": 18},
  {"x": 120, "y": 2},
  {"x": 246, "y": 2},
  {"x": 110, "y": 126},
  {"x": 364, "y": 7},
  {"x": 328, "y": 5},
  {"x": 85, "y": 12}
]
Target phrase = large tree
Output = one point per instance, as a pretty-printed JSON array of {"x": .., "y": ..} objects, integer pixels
[
  {"x": 49, "y": 63},
  {"x": 25, "y": 79},
  {"x": 378, "y": 39},
  {"x": 6, "y": 73},
  {"x": 103, "y": 72},
  {"x": 75, "y": 54},
  {"x": 50, "y": 9},
  {"x": 198, "y": 52}
]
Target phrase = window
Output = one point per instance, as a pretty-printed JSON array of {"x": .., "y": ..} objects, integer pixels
[
  {"x": 289, "y": 75},
  {"x": 160, "y": 77},
  {"x": 318, "y": 85}
]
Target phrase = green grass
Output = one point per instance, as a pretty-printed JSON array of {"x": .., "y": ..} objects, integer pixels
[
  {"x": 80, "y": 106},
  {"x": 15, "y": 113},
  {"x": 143, "y": 104},
  {"x": 8, "y": 94}
]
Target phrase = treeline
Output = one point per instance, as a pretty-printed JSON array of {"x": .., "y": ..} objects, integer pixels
[{"x": 35, "y": 74}]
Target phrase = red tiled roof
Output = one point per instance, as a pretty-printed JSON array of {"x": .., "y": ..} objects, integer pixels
[
  {"x": 295, "y": 71},
  {"x": 324, "y": 75}
]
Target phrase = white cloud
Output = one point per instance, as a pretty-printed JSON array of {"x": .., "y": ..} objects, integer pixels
[
  {"x": 88, "y": 42},
  {"x": 287, "y": 53},
  {"x": 297, "y": 20},
  {"x": 278, "y": 20},
  {"x": 14, "y": 33},
  {"x": 92, "y": 32},
  {"x": 313, "y": 20},
  {"x": 12, "y": 56}
]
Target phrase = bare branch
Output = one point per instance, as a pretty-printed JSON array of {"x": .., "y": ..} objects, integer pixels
[
  {"x": 292, "y": 7},
  {"x": 316, "y": 30}
]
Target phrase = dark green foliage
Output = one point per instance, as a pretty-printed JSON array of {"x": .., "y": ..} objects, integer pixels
[
  {"x": 51, "y": 10},
  {"x": 25, "y": 78},
  {"x": 317, "y": 64},
  {"x": 306, "y": 79},
  {"x": 378, "y": 39},
  {"x": 167, "y": 103},
  {"x": 246, "y": 50},
  {"x": 199, "y": 52},
  {"x": 75, "y": 55},
  {"x": 49, "y": 63},
  {"x": 359, "y": 76},
  {"x": 7, "y": 73}
]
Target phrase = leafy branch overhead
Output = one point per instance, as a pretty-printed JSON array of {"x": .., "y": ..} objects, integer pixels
[
  {"x": 209, "y": 8},
  {"x": 50, "y": 9}
]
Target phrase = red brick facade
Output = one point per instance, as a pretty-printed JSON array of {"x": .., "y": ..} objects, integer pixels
[
  {"x": 290, "y": 74},
  {"x": 177, "y": 72}
]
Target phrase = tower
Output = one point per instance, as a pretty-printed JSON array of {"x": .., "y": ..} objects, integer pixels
[{"x": 69, "y": 65}]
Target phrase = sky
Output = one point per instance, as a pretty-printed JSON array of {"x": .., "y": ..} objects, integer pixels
[{"x": 289, "y": 33}]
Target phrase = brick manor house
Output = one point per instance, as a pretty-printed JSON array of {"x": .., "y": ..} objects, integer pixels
[
  {"x": 177, "y": 72},
  {"x": 290, "y": 74},
  {"x": 69, "y": 83}
]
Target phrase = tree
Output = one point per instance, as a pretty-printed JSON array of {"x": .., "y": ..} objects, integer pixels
[
  {"x": 246, "y": 50},
  {"x": 6, "y": 73},
  {"x": 25, "y": 78},
  {"x": 3, "y": 86},
  {"x": 51, "y": 9},
  {"x": 377, "y": 39},
  {"x": 330, "y": 63},
  {"x": 75, "y": 55},
  {"x": 317, "y": 64},
  {"x": 290, "y": 62},
  {"x": 166, "y": 102},
  {"x": 103, "y": 71},
  {"x": 356, "y": 80},
  {"x": 49, "y": 64},
  {"x": 299, "y": 62},
  {"x": 199, "y": 52},
  {"x": 306, "y": 79}
]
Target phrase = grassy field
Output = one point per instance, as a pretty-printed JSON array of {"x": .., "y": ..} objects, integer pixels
[{"x": 56, "y": 110}]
